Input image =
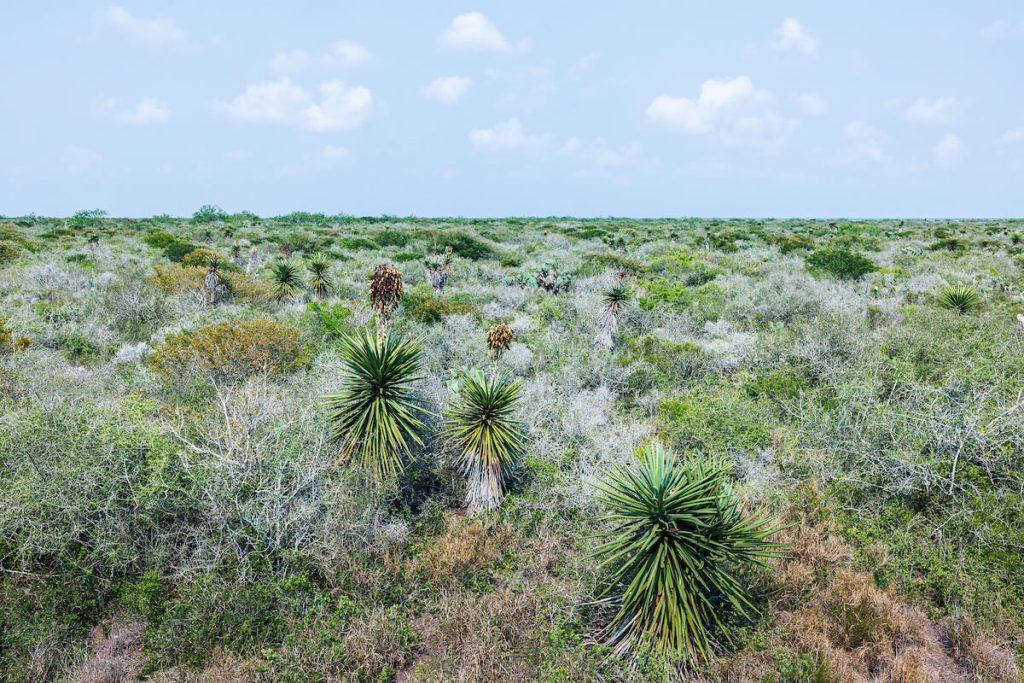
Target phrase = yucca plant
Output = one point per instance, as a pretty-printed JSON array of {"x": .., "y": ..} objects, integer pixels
[
  {"x": 960, "y": 298},
  {"x": 677, "y": 540},
  {"x": 438, "y": 269},
  {"x": 375, "y": 417},
  {"x": 481, "y": 425},
  {"x": 499, "y": 339},
  {"x": 386, "y": 289},
  {"x": 614, "y": 299},
  {"x": 319, "y": 280},
  {"x": 287, "y": 281}
]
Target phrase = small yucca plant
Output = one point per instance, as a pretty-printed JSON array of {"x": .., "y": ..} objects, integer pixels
[
  {"x": 678, "y": 538},
  {"x": 287, "y": 281},
  {"x": 614, "y": 299},
  {"x": 438, "y": 269},
  {"x": 960, "y": 298},
  {"x": 480, "y": 424},
  {"x": 375, "y": 417},
  {"x": 386, "y": 289},
  {"x": 499, "y": 339},
  {"x": 319, "y": 279}
]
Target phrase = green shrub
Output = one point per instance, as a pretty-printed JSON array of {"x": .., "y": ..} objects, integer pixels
[
  {"x": 159, "y": 239},
  {"x": 208, "y": 213},
  {"x": 428, "y": 307},
  {"x": 78, "y": 348},
  {"x": 230, "y": 351},
  {"x": 9, "y": 250},
  {"x": 841, "y": 263},
  {"x": 177, "y": 251},
  {"x": 392, "y": 238},
  {"x": 330, "y": 319}
]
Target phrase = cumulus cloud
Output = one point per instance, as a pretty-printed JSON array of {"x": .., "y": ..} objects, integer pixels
[
  {"x": 150, "y": 32},
  {"x": 1012, "y": 137},
  {"x": 861, "y": 142},
  {"x": 509, "y": 136},
  {"x": 731, "y": 111},
  {"x": 474, "y": 31},
  {"x": 283, "y": 102},
  {"x": 146, "y": 111},
  {"x": 344, "y": 54},
  {"x": 811, "y": 104},
  {"x": 506, "y": 136},
  {"x": 791, "y": 35},
  {"x": 447, "y": 89},
  {"x": 923, "y": 110},
  {"x": 948, "y": 151}
]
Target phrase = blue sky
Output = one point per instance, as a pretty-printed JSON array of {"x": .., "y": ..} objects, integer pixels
[{"x": 647, "y": 108}]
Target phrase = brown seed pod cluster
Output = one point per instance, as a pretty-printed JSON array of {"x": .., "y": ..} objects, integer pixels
[
  {"x": 499, "y": 338},
  {"x": 386, "y": 288}
]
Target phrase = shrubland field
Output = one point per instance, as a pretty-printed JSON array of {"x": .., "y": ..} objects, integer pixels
[{"x": 180, "y": 502}]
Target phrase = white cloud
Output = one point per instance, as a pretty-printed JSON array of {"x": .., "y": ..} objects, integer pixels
[
  {"x": 1003, "y": 30},
  {"x": 506, "y": 136},
  {"x": 344, "y": 54},
  {"x": 474, "y": 31},
  {"x": 285, "y": 103},
  {"x": 76, "y": 159},
  {"x": 861, "y": 142},
  {"x": 791, "y": 35},
  {"x": 447, "y": 89},
  {"x": 146, "y": 111},
  {"x": 328, "y": 157},
  {"x": 151, "y": 32},
  {"x": 731, "y": 111},
  {"x": 939, "y": 110},
  {"x": 599, "y": 152},
  {"x": 811, "y": 104},
  {"x": 948, "y": 151},
  {"x": 1012, "y": 136}
]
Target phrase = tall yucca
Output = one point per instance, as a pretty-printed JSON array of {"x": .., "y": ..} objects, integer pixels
[
  {"x": 386, "y": 288},
  {"x": 614, "y": 299},
  {"x": 375, "y": 417},
  {"x": 489, "y": 439},
  {"x": 319, "y": 280},
  {"x": 679, "y": 535},
  {"x": 960, "y": 298},
  {"x": 287, "y": 281}
]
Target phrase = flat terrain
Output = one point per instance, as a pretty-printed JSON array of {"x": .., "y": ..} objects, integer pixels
[{"x": 174, "y": 508}]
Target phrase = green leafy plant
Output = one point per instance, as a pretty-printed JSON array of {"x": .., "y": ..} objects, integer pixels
[
  {"x": 286, "y": 279},
  {"x": 375, "y": 417},
  {"x": 489, "y": 439},
  {"x": 677, "y": 540},
  {"x": 319, "y": 280},
  {"x": 842, "y": 263},
  {"x": 960, "y": 298}
]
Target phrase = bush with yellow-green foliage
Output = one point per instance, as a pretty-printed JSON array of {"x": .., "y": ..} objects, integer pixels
[
  {"x": 175, "y": 278},
  {"x": 230, "y": 351}
]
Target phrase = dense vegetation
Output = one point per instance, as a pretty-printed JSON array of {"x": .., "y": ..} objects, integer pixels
[{"x": 327, "y": 448}]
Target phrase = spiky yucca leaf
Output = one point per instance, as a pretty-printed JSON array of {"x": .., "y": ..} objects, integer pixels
[
  {"x": 375, "y": 417},
  {"x": 960, "y": 298},
  {"x": 285, "y": 276},
  {"x": 319, "y": 280},
  {"x": 678, "y": 537},
  {"x": 489, "y": 439},
  {"x": 616, "y": 296}
]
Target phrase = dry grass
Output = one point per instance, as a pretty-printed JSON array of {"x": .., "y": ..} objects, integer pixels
[
  {"x": 978, "y": 652},
  {"x": 463, "y": 549},
  {"x": 117, "y": 657}
]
